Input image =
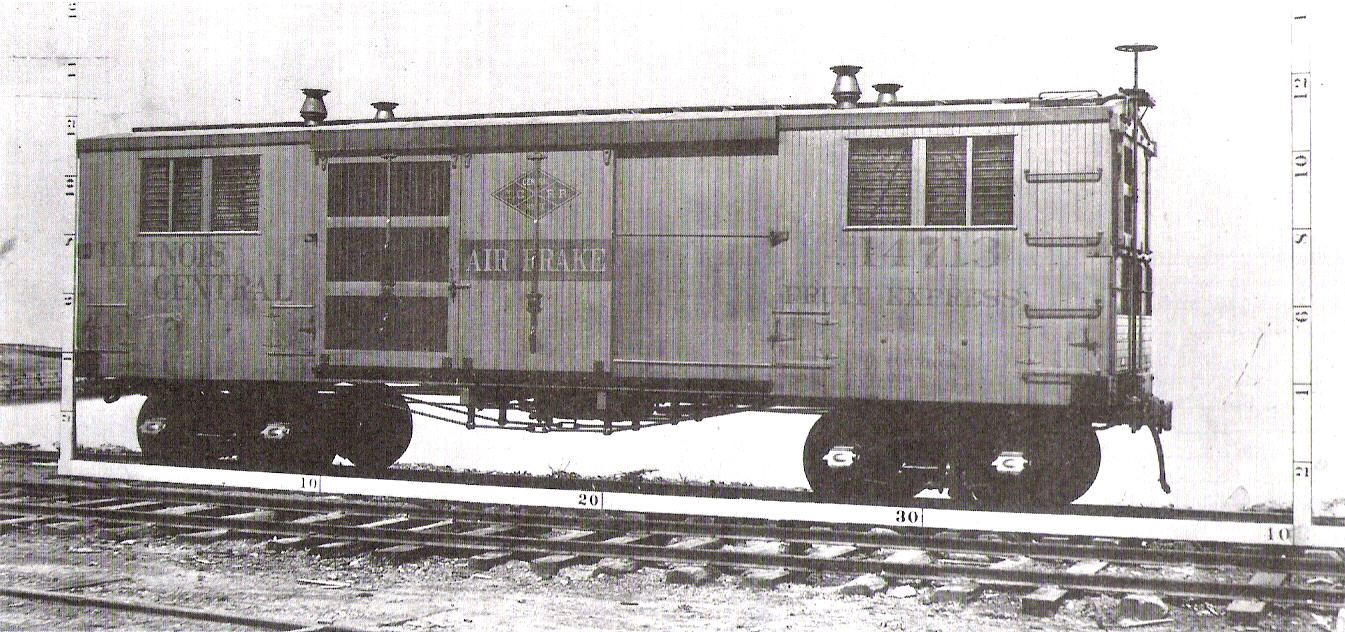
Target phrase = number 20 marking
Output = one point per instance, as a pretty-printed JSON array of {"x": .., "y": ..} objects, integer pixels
[{"x": 591, "y": 499}]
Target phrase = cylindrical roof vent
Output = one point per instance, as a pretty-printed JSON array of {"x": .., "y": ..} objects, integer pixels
[
  {"x": 314, "y": 111},
  {"x": 846, "y": 91},
  {"x": 887, "y": 93},
  {"x": 385, "y": 109}
]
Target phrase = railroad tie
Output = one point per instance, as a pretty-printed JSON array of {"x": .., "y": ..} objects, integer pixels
[
  {"x": 1086, "y": 567},
  {"x": 399, "y": 553},
  {"x": 340, "y": 548},
  {"x": 255, "y": 514},
  {"x": 10, "y": 524},
  {"x": 139, "y": 504},
  {"x": 1249, "y": 611},
  {"x": 771, "y": 577},
  {"x": 767, "y": 577},
  {"x": 692, "y": 574},
  {"x": 98, "y": 502},
  {"x": 1138, "y": 609},
  {"x": 345, "y": 548},
  {"x": 1046, "y": 600},
  {"x": 184, "y": 510},
  {"x": 305, "y": 541},
  {"x": 914, "y": 557},
  {"x": 549, "y": 565},
  {"x": 491, "y": 556},
  {"x": 959, "y": 592},
  {"x": 384, "y": 523},
  {"x": 180, "y": 510},
  {"x": 696, "y": 542},
  {"x": 213, "y": 535},
  {"x": 962, "y": 591},
  {"x": 432, "y": 527},
  {"x": 754, "y": 547},
  {"x": 330, "y": 516},
  {"x": 409, "y": 552}
]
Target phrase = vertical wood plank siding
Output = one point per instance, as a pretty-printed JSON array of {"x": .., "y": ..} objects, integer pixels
[
  {"x": 573, "y": 325},
  {"x": 695, "y": 288},
  {"x": 199, "y": 305},
  {"x": 692, "y": 264},
  {"x": 939, "y": 314}
]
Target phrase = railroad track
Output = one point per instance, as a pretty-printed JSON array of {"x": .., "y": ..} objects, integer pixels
[
  {"x": 636, "y": 485},
  {"x": 10, "y": 454},
  {"x": 1047, "y": 569}
]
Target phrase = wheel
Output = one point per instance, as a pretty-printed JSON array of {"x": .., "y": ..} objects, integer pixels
[
  {"x": 375, "y": 424},
  {"x": 284, "y": 432},
  {"x": 858, "y": 457},
  {"x": 168, "y": 429},
  {"x": 1043, "y": 466}
]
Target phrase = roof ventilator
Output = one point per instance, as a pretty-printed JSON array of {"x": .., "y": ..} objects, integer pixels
[
  {"x": 314, "y": 111},
  {"x": 846, "y": 91},
  {"x": 887, "y": 93},
  {"x": 385, "y": 109}
]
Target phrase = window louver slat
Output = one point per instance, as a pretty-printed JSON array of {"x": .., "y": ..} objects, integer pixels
[
  {"x": 879, "y": 183},
  {"x": 154, "y": 196},
  {"x": 236, "y": 190},
  {"x": 187, "y": 193},
  {"x": 992, "y": 180}
]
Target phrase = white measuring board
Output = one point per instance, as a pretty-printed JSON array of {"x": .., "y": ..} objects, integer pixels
[
  {"x": 69, "y": 203},
  {"x": 1279, "y": 533},
  {"x": 1300, "y": 218}
]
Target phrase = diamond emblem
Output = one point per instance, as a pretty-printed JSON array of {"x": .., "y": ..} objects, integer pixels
[{"x": 535, "y": 194}]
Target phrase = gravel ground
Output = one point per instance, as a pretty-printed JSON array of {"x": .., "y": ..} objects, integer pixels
[{"x": 243, "y": 576}]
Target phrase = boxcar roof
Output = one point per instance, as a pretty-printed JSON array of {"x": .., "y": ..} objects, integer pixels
[{"x": 601, "y": 128}]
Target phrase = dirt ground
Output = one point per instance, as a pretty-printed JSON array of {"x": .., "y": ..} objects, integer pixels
[{"x": 243, "y": 576}]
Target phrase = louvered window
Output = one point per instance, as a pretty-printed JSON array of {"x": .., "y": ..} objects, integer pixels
[
  {"x": 878, "y": 189},
  {"x": 992, "y": 180},
  {"x": 170, "y": 195},
  {"x": 191, "y": 195},
  {"x": 236, "y": 185},
  {"x": 946, "y": 182},
  {"x": 966, "y": 181}
]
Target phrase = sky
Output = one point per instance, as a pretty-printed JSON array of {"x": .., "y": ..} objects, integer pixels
[{"x": 1220, "y": 79}]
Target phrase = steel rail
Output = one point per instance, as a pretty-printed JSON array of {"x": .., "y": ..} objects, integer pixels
[
  {"x": 663, "y": 487},
  {"x": 540, "y": 546},
  {"x": 804, "y": 533},
  {"x": 195, "y": 614}
]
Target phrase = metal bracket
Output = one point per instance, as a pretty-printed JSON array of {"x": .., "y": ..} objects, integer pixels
[
  {"x": 454, "y": 287},
  {"x": 1039, "y": 177},
  {"x": 1064, "y": 312},
  {"x": 1162, "y": 461},
  {"x": 1064, "y": 241}
]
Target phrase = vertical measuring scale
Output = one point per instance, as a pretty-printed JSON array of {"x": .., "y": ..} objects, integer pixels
[
  {"x": 70, "y": 204},
  {"x": 1300, "y": 211}
]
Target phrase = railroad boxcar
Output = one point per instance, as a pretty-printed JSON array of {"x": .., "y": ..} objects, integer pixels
[{"x": 963, "y": 287}]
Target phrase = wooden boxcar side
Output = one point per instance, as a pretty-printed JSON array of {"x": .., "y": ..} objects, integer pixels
[
  {"x": 191, "y": 304},
  {"x": 714, "y": 260}
]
